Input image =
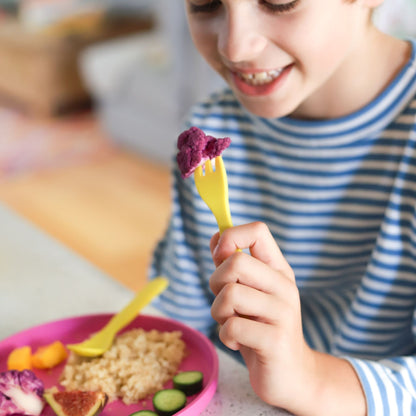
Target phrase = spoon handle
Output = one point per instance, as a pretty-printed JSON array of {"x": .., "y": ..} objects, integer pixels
[{"x": 142, "y": 299}]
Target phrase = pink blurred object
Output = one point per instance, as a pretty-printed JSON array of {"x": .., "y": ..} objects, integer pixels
[
  {"x": 201, "y": 356},
  {"x": 30, "y": 144}
]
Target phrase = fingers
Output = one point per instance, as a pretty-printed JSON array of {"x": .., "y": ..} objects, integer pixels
[
  {"x": 253, "y": 291},
  {"x": 214, "y": 241},
  {"x": 257, "y": 238},
  {"x": 241, "y": 300},
  {"x": 240, "y": 332},
  {"x": 246, "y": 270},
  {"x": 273, "y": 304}
]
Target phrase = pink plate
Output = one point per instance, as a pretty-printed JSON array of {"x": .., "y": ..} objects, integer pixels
[{"x": 202, "y": 356}]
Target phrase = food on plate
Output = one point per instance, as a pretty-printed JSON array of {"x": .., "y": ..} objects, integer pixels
[
  {"x": 169, "y": 401},
  {"x": 76, "y": 403},
  {"x": 45, "y": 357},
  {"x": 195, "y": 147},
  {"x": 190, "y": 382},
  {"x": 20, "y": 359},
  {"x": 49, "y": 356},
  {"x": 21, "y": 393},
  {"x": 137, "y": 365}
]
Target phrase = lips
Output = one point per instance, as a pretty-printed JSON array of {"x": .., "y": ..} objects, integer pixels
[{"x": 260, "y": 82}]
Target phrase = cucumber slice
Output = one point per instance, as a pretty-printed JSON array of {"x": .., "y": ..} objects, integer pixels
[
  {"x": 190, "y": 382},
  {"x": 144, "y": 413},
  {"x": 169, "y": 401}
]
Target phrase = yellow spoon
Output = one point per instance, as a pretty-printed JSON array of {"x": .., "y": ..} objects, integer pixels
[{"x": 101, "y": 341}]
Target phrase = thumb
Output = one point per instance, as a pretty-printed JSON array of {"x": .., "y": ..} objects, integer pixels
[{"x": 258, "y": 239}]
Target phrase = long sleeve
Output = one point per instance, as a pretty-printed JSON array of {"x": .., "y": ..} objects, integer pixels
[{"x": 389, "y": 385}]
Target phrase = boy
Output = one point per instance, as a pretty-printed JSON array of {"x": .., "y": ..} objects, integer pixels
[{"x": 322, "y": 179}]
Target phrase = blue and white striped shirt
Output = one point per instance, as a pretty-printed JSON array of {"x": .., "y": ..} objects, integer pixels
[{"x": 339, "y": 197}]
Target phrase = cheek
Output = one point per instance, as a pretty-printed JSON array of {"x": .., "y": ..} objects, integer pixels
[
  {"x": 205, "y": 40},
  {"x": 319, "y": 43}
]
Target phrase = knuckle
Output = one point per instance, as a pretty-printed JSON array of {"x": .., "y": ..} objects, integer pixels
[
  {"x": 235, "y": 261},
  {"x": 260, "y": 227},
  {"x": 214, "y": 310},
  {"x": 230, "y": 293},
  {"x": 213, "y": 283},
  {"x": 231, "y": 328},
  {"x": 226, "y": 237}
]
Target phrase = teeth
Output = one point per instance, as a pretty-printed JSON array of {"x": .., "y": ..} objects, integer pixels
[{"x": 260, "y": 78}]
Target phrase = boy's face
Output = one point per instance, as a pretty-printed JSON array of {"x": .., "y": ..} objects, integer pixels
[{"x": 280, "y": 56}]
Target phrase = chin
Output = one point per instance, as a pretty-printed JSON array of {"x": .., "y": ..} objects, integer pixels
[{"x": 268, "y": 108}]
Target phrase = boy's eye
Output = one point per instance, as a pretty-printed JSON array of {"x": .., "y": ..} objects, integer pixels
[
  {"x": 204, "y": 6},
  {"x": 274, "y": 6},
  {"x": 279, "y": 7}
]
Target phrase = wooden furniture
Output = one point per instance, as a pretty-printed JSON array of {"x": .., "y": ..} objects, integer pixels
[{"x": 39, "y": 69}]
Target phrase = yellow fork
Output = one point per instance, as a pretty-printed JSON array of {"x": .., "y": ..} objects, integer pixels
[{"x": 213, "y": 189}]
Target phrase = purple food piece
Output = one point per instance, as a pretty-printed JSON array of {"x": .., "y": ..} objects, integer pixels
[
  {"x": 21, "y": 393},
  {"x": 195, "y": 148}
]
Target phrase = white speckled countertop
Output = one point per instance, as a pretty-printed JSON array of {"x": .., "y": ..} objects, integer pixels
[{"x": 42, "y": 281}]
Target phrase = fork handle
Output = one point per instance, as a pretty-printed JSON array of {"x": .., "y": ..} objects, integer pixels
[{"x": 224, "y": 222}]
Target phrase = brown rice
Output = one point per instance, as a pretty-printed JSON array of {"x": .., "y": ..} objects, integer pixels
[{"x": 138, "y": 364}]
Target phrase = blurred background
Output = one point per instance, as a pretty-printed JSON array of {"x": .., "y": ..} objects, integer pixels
[{"x": 92, "y": 97}]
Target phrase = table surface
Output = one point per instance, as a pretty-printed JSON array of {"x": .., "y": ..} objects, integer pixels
[{"x": 42, "y": 281}]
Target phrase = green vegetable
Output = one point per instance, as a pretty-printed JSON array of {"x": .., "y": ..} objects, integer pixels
[
  {"x": 144, "y": 413},
  {"x": 190, "y": 382},
  {"x": 168, "y": 402}
]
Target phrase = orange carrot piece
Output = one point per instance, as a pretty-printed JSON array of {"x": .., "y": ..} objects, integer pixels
[
  {"x": 49, "y": 356},
  {"x": 20, "y": 359}
]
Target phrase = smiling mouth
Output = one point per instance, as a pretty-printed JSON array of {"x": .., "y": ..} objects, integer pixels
[{"x": 260, "y": 78}]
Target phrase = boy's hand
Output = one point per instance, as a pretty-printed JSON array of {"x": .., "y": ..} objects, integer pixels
[{"x": 257, "y": 305}]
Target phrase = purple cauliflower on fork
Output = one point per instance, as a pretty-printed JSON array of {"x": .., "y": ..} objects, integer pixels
[
  {"x": 21, "y": 393},
  {"x": 195, "y": 147}
]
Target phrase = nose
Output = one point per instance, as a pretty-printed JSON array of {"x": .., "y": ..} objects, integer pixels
[{"x": 239, "y": 39}]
